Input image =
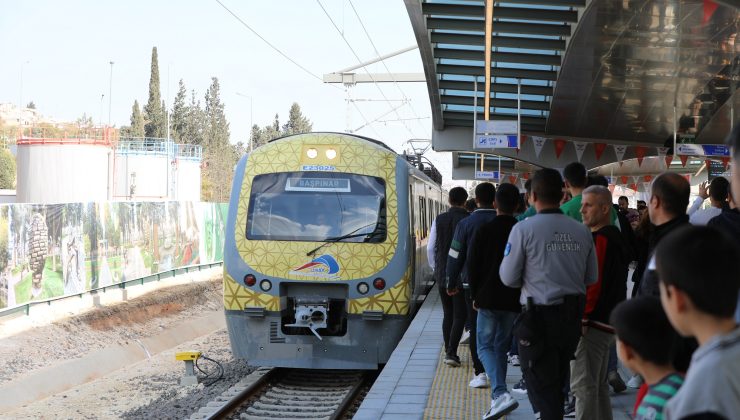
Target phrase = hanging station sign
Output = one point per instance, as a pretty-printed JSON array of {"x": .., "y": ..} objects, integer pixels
[
  {"x": 718, "y": 150},
  {"x": 486, "y": 175},
  {"x": 496, "y": 134}
]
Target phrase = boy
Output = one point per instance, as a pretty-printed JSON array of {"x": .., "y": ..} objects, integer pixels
[
  {"x": 643, "y": 330},
  {"x": 699, "y": 277}
]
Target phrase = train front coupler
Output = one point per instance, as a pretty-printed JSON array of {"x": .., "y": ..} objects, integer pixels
[{"x": 311, "y": 313}]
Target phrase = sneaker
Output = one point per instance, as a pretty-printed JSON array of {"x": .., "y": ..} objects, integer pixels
[
  {"x": 616, "y": 382},
  {"x": 479, "y": 381},
  {"x": 635, "y": 382},
  {"x": 465, "y": 339},
  {"x": 501, "y": 406},
  {"x": 520, "y": 387},
  {"x": 570, "y": 408},
  {"x": 514, "y": 360},
  {"x": 452, "y": 361}
]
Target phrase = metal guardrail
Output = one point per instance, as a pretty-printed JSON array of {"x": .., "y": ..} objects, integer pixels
[
  {"x": 152, "y": 146},
  {"x": 26, "y": 307}
]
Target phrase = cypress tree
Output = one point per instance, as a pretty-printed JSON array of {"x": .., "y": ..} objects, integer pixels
[
  {"x": 178, "y": 119},
  {"x": 297, "y": 123},
  {"x": 137, "y": 121},
  {"x": 153, "y": 113}
]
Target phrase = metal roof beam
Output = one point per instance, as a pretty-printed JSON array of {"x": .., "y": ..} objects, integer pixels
[
  {"x": 547, "y": 15},
  {"x": 496, "y": 102},
  {"x": 500, "y": 27},
  {"x": 499, "y": 57},
  {"x": 499, "y": 41},
  {"x": 468, "y": 116},
  {"x": 496, "y": 87},
  {"x": 497, "y": 72}
]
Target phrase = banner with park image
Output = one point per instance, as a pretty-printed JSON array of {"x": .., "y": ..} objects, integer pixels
[{"x": 52, "y": 250}]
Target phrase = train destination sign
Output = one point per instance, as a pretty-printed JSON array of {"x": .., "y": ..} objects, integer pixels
[{"x": 318, "y": 184}]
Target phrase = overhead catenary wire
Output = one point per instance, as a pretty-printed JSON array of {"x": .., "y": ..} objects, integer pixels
[
  {"x": 359, "y": 60},
  {"x": 395, "y": 82},
  {"x": 305, "y": 70}
]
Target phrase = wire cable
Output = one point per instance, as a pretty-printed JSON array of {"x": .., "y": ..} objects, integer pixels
[
  {"x": 307, "y": 71},
  {"x": 395, "y": 82},
  {"x": 359, "y": 60},
  {"x": 209, "y": 379}
]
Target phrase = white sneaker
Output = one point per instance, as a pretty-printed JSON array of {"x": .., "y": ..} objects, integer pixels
[
  {"x": 514, "y": 360},
  {"x": 465, "y": 338},
  {"x": 479, "y": 381},
  {"x": 501, "y": 406},
  {"x": 635, "y": 382}
]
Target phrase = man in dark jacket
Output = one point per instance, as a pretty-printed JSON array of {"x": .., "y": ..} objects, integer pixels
[
  {"x": 669, "y": 198},
  {"x": 497, "y": 305},
  {"x": 589, "y": 370},
  {"x": 440, "y": 238},
  {"x": 457, "y": 269}
]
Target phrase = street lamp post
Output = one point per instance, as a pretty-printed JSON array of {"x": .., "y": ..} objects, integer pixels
[
  {"x": 100, "y": 115},
  {"x": 110, "y": 91},
  {"x": 251, "y": 108},
  {"x": 20, "y": 100}
]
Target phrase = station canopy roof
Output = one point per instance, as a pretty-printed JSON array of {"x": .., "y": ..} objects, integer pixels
[{"x": 597, "y": 71}]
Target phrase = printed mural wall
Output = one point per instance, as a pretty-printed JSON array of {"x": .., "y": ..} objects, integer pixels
[{"x": 52, "y": 250}]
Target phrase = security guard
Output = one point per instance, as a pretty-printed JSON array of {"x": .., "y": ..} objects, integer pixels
[{"x": 552, "y": 258}]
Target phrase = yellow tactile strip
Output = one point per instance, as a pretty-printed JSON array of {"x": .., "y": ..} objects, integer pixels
[{"x": 451, "y": 397}]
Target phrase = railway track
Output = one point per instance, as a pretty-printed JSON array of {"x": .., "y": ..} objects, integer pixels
[{"x": 289, "y": 394}]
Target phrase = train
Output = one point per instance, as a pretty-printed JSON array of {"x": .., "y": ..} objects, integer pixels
[{"x": 325, "y": 250}]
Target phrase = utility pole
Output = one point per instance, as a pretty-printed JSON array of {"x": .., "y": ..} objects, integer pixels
[
  {"x": 20, "y": 100},
  {"x": 110, "y": 92}
]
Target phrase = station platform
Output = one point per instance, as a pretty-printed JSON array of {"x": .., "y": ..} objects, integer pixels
[{"x": 415, "y": 384}]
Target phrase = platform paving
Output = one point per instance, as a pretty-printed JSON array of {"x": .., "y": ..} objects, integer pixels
[{"x": 415, "y": 384}]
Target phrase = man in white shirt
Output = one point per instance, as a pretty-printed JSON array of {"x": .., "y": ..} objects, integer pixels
[{"x": 717, "y": 194}]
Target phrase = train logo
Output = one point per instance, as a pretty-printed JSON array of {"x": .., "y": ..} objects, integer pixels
[{"x": 324, "y": 266}]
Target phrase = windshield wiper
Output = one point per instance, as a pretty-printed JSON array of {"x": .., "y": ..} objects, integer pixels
[{"x": 349, "y": 235}]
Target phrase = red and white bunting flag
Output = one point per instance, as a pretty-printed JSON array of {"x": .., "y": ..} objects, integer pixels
[
  {"x": 611, "y": 188},
  {"x": 559, "y": 146},
  {"x": 580, "y": 148},
  {"x": 663, "y": 154},
  {"x": 619, "y": 150},
  {"x": 647, "y": 178},
  {"x": 633, "y": 187},
  {"x": 726, "y": 162},
  {"x": 635, "y": 179},
  {"x": 646, "y": 186},
  {"x": 640, "y": 153},
  {"x": 512, "y": 179},
  {"x": 684, "y": 159},
  {"x": 623, "y": 178},
  {"x": 522, "y": 181},
  {"x": 599, "y": 150},
  {"x": 538, "y": 143}
]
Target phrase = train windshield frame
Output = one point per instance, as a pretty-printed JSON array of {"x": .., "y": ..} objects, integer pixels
[{"x": 317, "y": 206}]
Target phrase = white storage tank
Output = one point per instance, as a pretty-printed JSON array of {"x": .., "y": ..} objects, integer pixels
[{"x": 62, "y": 170}]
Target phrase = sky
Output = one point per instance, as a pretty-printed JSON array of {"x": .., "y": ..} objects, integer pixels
[{"x": 61, "y": 51}]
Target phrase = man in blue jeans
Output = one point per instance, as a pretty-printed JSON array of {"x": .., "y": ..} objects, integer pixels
[{"x": 497, "y": 305}]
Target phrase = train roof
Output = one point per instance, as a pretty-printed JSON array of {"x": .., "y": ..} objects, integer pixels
[{"x": 377, "y": 142}]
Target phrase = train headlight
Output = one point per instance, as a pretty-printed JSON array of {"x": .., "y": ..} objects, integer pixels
[
  {"x": 379, "y": 283},
  {"x": 265, "y": 285},
  {"x": 312, "y": 153},
  {"x": 250, "y": 280},
  {"x": 363, "y": 288},
  {"x": 331, "y": 154}
]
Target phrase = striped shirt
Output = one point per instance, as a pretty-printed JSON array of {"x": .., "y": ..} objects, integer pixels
[{"x": 658, "y": 395}]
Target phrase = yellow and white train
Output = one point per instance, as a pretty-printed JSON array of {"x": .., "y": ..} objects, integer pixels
[{"x": 325, "y": 252}]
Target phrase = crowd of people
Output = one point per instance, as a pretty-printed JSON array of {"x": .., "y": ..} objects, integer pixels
[{"x": 541, "y": 282}]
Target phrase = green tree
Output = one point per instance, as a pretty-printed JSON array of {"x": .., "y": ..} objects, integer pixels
[
  {"x": 216, "y": 126},
  {"x": 137, "y": 121},
  {"x": 193, "y": 132},
  {"x": 153, "y": 113},
  {"x": 31, "y": 105},
  {"x": 179, "y": 116},
  {"x": 219, "y": 156},
  {"x": 7, "y": 169},
  {"x": 85, "y": 121},
  {"x": 297, "y": 123}
]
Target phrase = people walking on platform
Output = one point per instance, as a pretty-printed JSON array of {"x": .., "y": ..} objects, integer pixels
[
  {"x": 458, "y": 270},
  {"x": 552, "y": 258},
  {"x": 496, "y": 304},
  {"x": 453, "y": 307},
  {"x": 669, "y": 197},
  {"x": 643, "y": 344},
  {"x": 575, "y": 181},
  {"x": 589, "y": 370},
  {"x": 699, "y": 273},
  {"x": 528, "y": 199},
  {"x": 717, "y": 193}
]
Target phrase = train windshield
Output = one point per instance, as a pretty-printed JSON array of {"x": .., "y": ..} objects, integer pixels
[{"x": 317, "y": 206}]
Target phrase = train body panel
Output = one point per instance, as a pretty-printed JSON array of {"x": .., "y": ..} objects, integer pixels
[{"x": 293, "y": 299}]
